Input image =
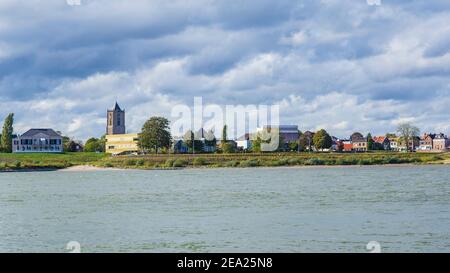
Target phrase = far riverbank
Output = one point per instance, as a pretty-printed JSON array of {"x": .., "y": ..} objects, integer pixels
[{"x": 98, "y": 161}]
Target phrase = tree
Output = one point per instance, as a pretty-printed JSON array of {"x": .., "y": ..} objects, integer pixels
[
  {"x": 155, "y": 134},
  {"x": 93, "y": 145},
  {"x": 256, "y": 144},
  {"x": 306, "y": 141},
  {"x": 322, "y": 140},
  {"x": 70, "y": 145},
  {"x": 7, "y": 132},
  {"x": 293, "y": 146},
  {"x": 228, "y": 148},
  {"x": 407, "y": 133},
  {"x": 370, "y": 142},
  {"x": 224, "y": 134}
]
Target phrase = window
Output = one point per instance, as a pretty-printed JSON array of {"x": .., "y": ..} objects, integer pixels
[{"x": 118, "y": 119}]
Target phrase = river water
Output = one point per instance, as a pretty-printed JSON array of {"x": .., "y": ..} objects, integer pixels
[{"x": 404, "y": 209}]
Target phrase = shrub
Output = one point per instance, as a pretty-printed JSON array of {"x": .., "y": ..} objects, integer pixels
[
  {"x": 249, "y": 163},
  {"x": 199, "y": 161},
  {"x": 130, "y": 162},
  {"x": 169, "y": 162},
  {"x": 17, "y": 164},
  {"x": 314, "y": 161},
  {"x": 294, "y": 161},
  {"x": 179, "y": 163},
  {"x": 140, "y": 162},
  {"x": 232, "y": 163}
]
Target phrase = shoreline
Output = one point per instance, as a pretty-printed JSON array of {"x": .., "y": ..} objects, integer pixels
[
  {"x": 90, "y": 168},
  {"x": 88, "y": 162}
]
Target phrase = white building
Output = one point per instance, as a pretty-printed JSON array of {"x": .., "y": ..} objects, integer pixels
[{"x": 38, "y": 141}]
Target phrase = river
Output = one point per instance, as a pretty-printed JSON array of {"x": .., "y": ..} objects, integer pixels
[{"x": 337, "y": 209}]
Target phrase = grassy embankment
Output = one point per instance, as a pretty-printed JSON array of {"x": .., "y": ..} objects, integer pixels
[
  {"x": 60, "y": 161},
  {"x": 11, "y": 162}
]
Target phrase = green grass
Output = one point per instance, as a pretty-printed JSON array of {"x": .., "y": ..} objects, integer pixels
[
  {"x": 58, "y": 161},
  {"x": 47, "y": 161}
]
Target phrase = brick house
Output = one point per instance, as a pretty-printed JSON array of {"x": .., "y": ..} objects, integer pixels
[
  {"x": 426, "y": 142},
  {"x": 381, "y": 143},
  {"x": 441, "y": 143}
]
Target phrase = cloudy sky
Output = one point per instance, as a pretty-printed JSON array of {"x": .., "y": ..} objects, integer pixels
[{"x": 342, "y": 65}]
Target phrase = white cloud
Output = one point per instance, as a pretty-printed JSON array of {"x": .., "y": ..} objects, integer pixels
[{"x": 340, "y": 65}]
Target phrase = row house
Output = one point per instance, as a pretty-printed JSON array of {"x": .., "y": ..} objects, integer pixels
[
  {"x": 434, "y": 142},
  {"x": 381, "y": 143},
  {"x": 441, "y": 143},
  {"x": 359, "y": 142},
  {"x": 399, "y": 145}
]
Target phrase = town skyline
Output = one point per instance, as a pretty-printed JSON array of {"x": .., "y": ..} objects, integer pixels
[{"x": 378, "y": 67}]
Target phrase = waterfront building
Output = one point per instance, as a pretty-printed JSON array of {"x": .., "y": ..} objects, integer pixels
[
  {"x": 288, "y": 133},
  {"x": 122, "y": 144},
  {"x": 441, "y": 143},
  {"x": 359, "y": 142},
  {"x": 38, "y": 141},
  {"x": 381, "y": 143},
  {"x": 347, "y": 145},
  {"x": 426, "y": 142}
]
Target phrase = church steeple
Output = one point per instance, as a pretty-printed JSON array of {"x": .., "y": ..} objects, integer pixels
[{"x": 115, "y": 121}]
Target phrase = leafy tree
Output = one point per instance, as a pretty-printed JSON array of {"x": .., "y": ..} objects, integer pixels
[
  {"x": 391, "y": 135},
  {"x": 70, "y": 145},
  {"x": 155, "y": 134},
  {"x": 256, "y": 145},
  {"x": 224, "y": 134},
  {"x": 407, "y": 133},
  {"x": 322, "y": 140},
  {"x": 228, "y": 148},
  {"x": 293, "y": 146},
  {"x": 93, "y": 145},
  {"x": 7, "y": 132},
  {"x": 370, "y": 142},
  {"x": 306, "y": 141}
]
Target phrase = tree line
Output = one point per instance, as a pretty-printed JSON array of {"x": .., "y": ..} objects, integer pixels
[{"x": 155, "y": 136}]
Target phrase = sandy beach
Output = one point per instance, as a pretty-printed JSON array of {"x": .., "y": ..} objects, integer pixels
[{"x": 86, "y": 168}]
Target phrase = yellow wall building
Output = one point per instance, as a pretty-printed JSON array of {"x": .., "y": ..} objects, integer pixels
[{"x": 124, "y": 143}]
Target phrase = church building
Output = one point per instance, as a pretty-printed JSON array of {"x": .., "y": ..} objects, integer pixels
[{"x": 117, "y": 140}]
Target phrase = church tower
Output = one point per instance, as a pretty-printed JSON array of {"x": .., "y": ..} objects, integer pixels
[{"x": 115, "y": 121}]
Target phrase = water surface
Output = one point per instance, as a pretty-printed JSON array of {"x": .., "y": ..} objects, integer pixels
[{"x": 405, "y": 209}]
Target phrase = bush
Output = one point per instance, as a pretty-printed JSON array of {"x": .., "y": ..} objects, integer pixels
[
  {"x": 314, "y": 161},
  {"x": 250, "y": 163},
  {"x": 179, "y": 163},
  {"x": 294, "y": 161},
  {"x": 199, "y": 161},
  {"x": 169, "y": 162},
  {"x": 17, "y": 164},
  {"x": 232, "y": 163},
  {"x": 140, "y": 162},
  {"x": 130, "y": 162}
]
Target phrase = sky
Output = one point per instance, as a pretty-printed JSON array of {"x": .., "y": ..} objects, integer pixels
[{"x": 342, "y": 65}]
